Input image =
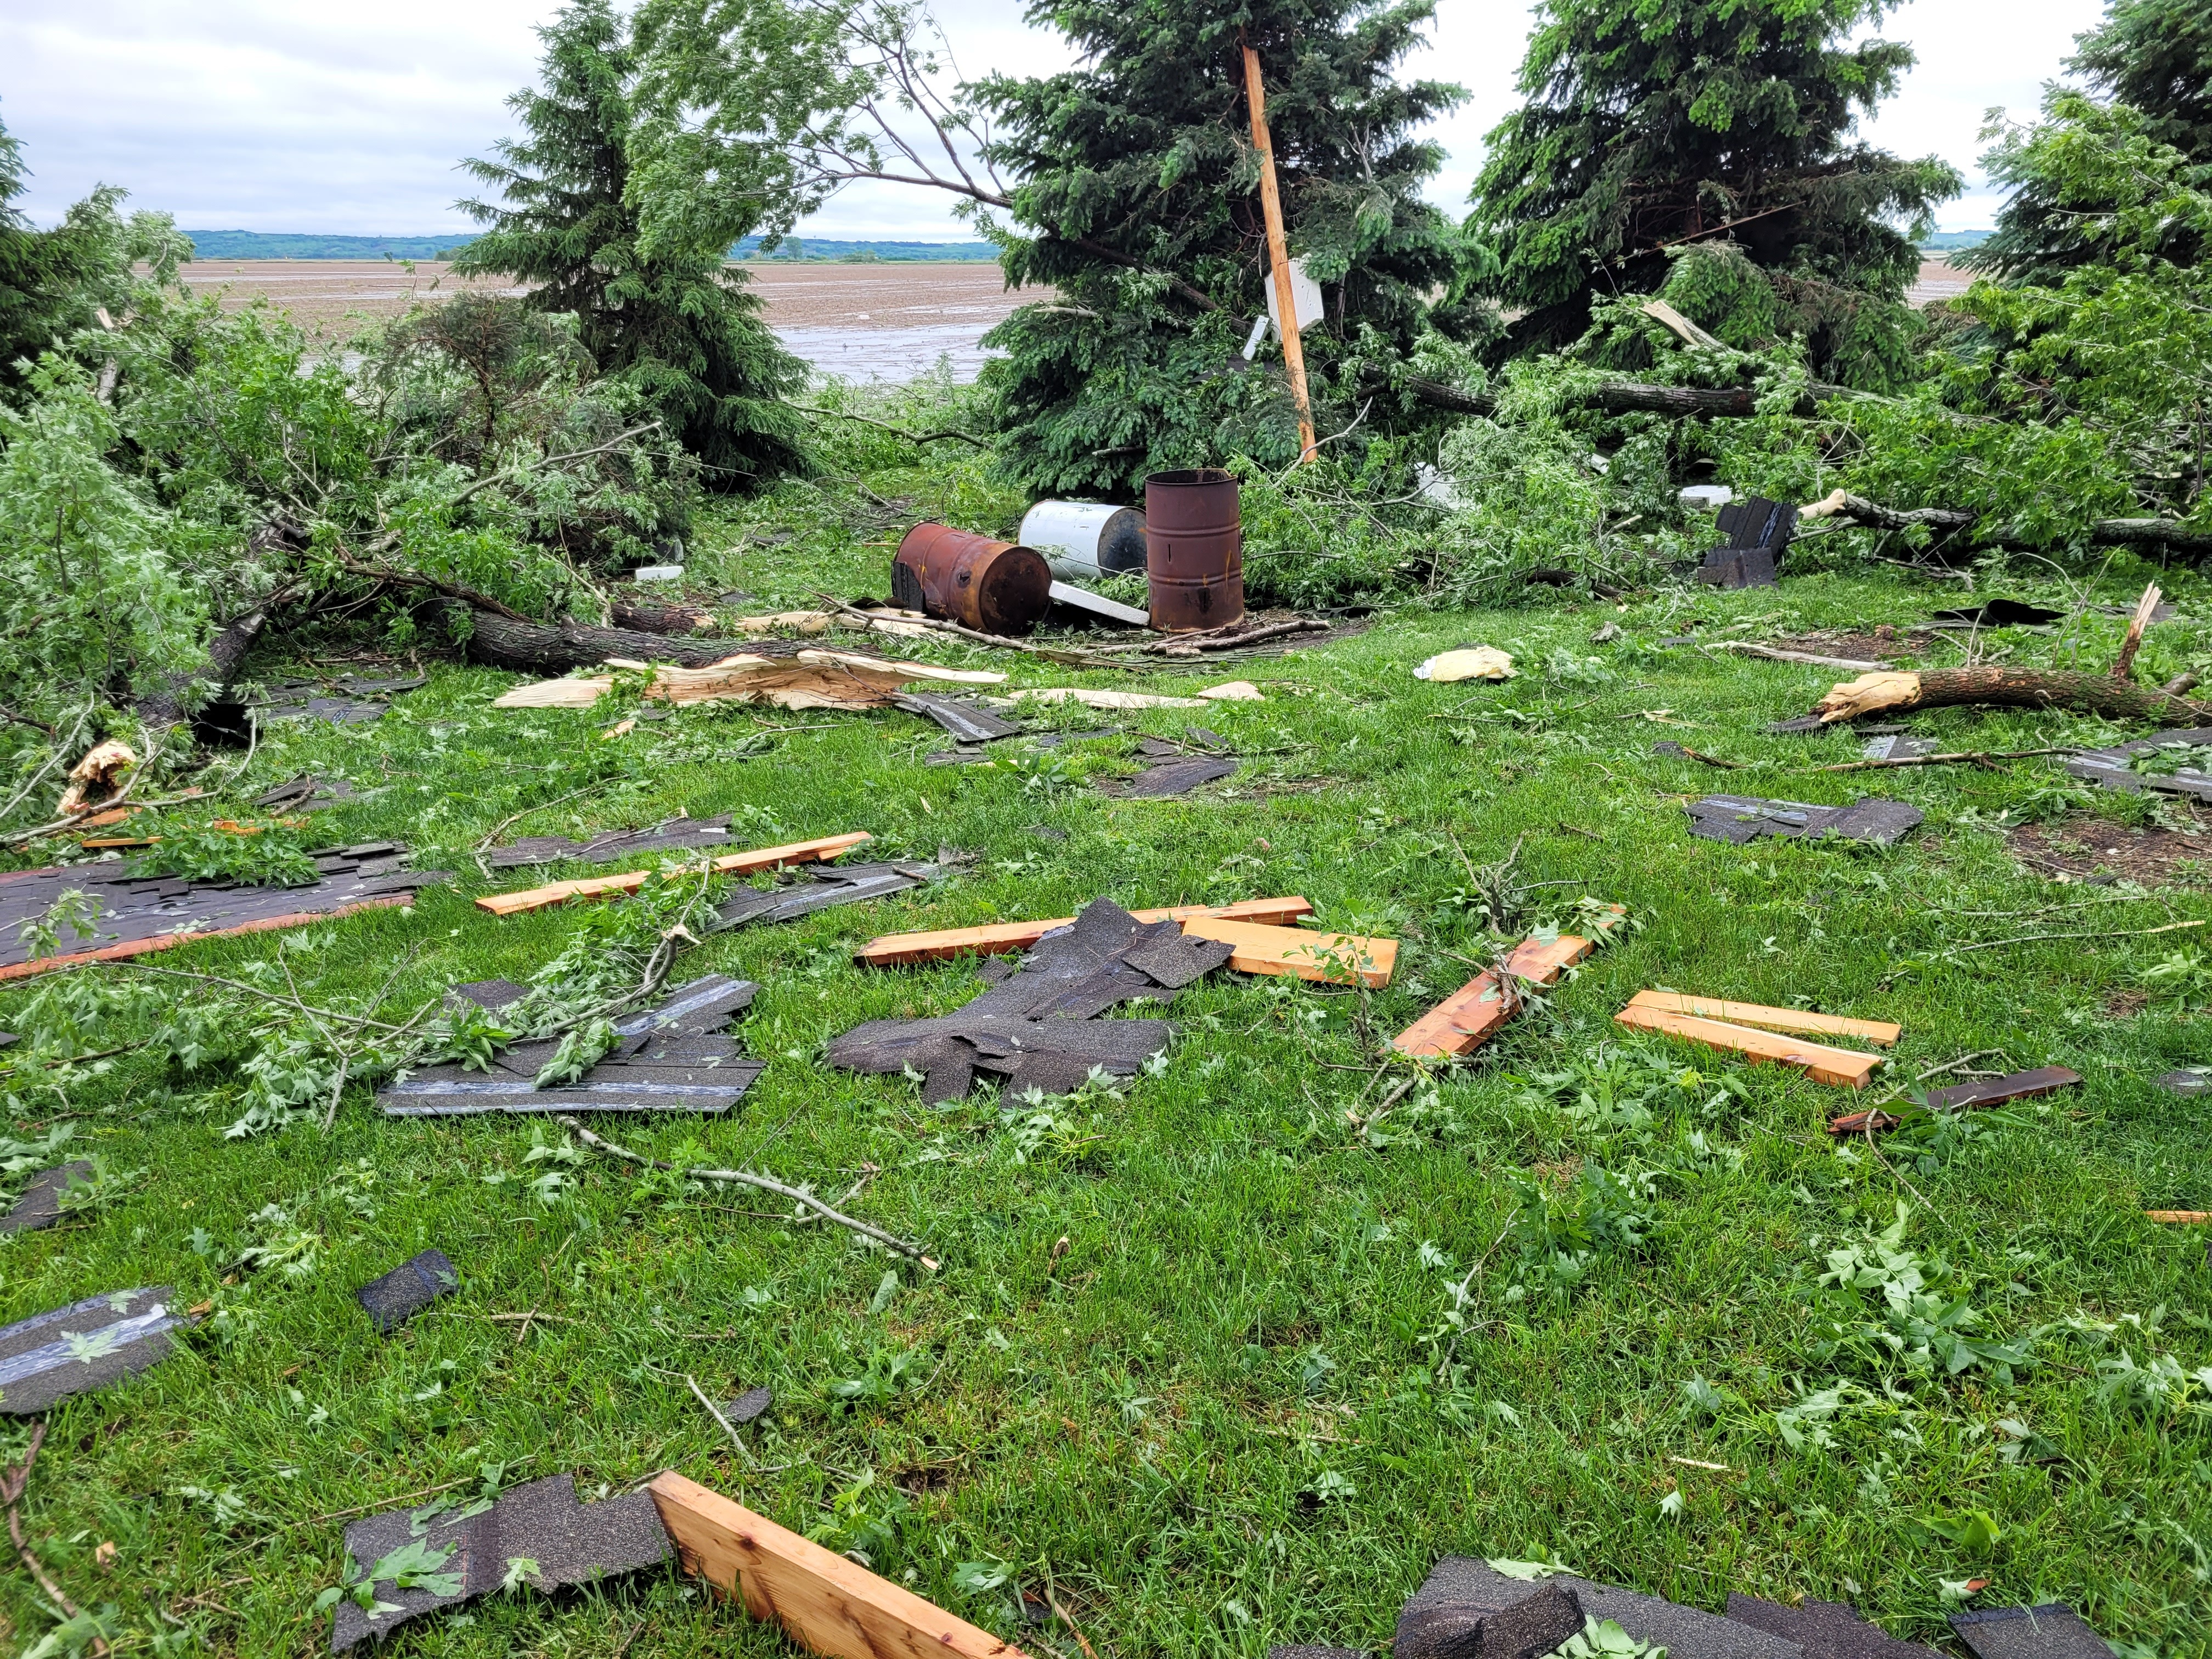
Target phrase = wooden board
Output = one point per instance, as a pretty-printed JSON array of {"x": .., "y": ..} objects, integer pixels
[
  {"x": 1332, "y": 958},
  {"x": 1817, "y": 1061},
  {"x": 825, "y": 1603},
  {"x": 2183, "y": 1218},
  {"x": 1470, "y": 1015},
  {"x": 1880, "y": 1032},
  {"x": 730, "y": 863},
  {"x": 898, "y": 950}
]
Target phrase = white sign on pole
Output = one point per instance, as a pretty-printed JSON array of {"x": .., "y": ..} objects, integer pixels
[{"x": 1305, "y": 296}]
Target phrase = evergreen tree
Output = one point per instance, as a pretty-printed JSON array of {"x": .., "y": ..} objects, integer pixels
[
  {"x": 1650, "y": 121},
  {"x": 1138, "y": 199},
  {"x": 2153, "y": 58},
  {"x": 669, "y": 318}
]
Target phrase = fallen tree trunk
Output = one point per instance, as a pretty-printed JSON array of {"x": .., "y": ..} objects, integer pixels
[
  {"x": 660, "y": 618},
  {"x": 499, "y": 642},
  {"x": 2008, "y": 688},
  {"x": 226, "y": 654}
]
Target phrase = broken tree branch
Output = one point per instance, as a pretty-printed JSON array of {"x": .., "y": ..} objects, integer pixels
[
  {"x": 2008, "y": 687},
  {"x": 1848, "y": 509},
  {"x": 2039, "y": 939},
  {"x": 1050, "y": 653},
  {"x": 12, "y": 1486},
  {"x": 1981, "y": 757},
  {"x": 745, "y": 1178},
  {"x": 2124, "y": 665},
  {"x": 911, "y": 437}
]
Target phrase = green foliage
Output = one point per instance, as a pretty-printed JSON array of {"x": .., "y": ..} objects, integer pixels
[
  {"x": 1649, "y": 122},
  {"x": 93, "y": 602},
  {"x": 1559, "y": 1235},
  {"x": 663, "y": 317},
  {"x": 1918, "y": 1320},
  {"x": 2155, "y": 55},
  {"x": 1160, "y": 269},
  {"x": 263, "y": 855}
]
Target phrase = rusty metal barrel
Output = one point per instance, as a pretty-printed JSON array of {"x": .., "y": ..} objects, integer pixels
[
  {"x": 1196, "y": 549},
  {"x": 994, "y": 587}
]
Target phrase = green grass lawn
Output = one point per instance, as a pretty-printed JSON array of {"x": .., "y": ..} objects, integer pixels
[{"x": 1226, "y": 1413}]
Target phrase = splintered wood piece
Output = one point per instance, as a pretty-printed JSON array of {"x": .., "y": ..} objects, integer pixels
[
  {"x": 1881, "y": 1032},
  {"x": 1332, "y": 958},
  {"x": 730, "y": 863},
  {"x": 1821, "y": 1063},
  {"x": 1472, "y": 1014},
  {"x": 898, "y": 950},
  {"x": 826, "y": 1603},
  {"x": 2182, "y": 1217}
]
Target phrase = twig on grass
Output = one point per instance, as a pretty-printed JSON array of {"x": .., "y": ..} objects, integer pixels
[
  {"x": 1050, "y": 653},
  {"x": 911, "y": 437},
  {"x": 744, "y": 1177},
  {"x": 736, "y": 1440},
  {"x": 1962, "y": 758},
  {"x": 513, "y": 818},
  {"x": 12, "y": 1484},
  {"x": 2037, "y": 938}
]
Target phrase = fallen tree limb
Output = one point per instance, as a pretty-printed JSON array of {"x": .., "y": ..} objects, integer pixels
[
  {"x": 468, "y": 596},
  {"x": 498, "y": 640},
  {"x": 12, "y": 1486},
  {"x": 746, "y": 1178},
  {"x": 1811, "y": 658},
  {"x": 667, "y": 619},
  {"x": 2007, "y": 687},
  {"x": 938, "y": 624},
  {"x": 1848, "y": 509},
  {"x": 1630, "y": 397},
  {"x": 1977, "y": 757},
  {"x": 911, "y": 437}
]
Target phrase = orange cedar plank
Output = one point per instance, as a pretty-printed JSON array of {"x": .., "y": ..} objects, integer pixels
[
  {"x": 2185, "y": 1217},
  {"x": 824, "y": 1602},
  {"x": 1323, "y": 956},
  {"x": 1881, "y": 1032},
  {"x": 1817, "y": 1061},
  {"x": 896, "y": 950},
  {"x": 629, "y": 881},
  {"x": 139, "y": 947},
  {"x": 1468, "y": 1017}
]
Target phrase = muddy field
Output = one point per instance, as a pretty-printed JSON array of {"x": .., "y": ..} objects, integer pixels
[{"x": 893, "y": 321}]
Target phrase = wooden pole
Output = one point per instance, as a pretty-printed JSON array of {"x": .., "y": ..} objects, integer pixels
[{"x": 1278, "y": 254}]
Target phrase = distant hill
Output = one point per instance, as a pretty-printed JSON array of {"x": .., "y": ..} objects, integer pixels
[
  {"x": 290, "y": 245},
  {"x": 1952, "y": 241},
  {"x": 216, "y": 245}
]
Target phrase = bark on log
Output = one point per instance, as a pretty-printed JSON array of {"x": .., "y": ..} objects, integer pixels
[
  {"x": 1848, "y": 509},
  {"x": 672, "y": 619},
  {"x": 498, "y": 641},
  {"x": 2009, "y": 688},
  {"x": 226, "y": 654}
]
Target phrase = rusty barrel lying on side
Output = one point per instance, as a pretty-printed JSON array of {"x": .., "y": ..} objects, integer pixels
[
  {"x": 1195, "y": 560},
  {"x": 994, "y": 587}
]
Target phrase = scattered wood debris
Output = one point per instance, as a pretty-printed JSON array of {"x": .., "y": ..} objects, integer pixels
[
  {"x": 1895, "y": 692},
  {"x": 812, "y": 679},
  {"x": 728, "y": 864},
  {"x": 1881, "y": 1033},
  {"x": 1962, "y": 1096},
  {"x": 1474, "y": 1013},
  {"x": 826, "y": 1603},
  {"x": 1819, "y": 1061},
  {"x": 1327, "y": 959}
]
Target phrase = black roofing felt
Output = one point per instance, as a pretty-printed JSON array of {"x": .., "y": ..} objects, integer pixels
[
  {"x": 572, "y": 1543},
  {"x": 55, "y": 1355},
  {"x": 409, "y": 1288},
  {"x": 1036, "y": 1028},
  {"x": 1742, "y": 818},
  {"x": 1177, "y": 777},
  {"x": 132, "y": 909},
  {"x": 676, "y": 835},
  {"x": 966, "y": 721},
  {"x": 1528, "y": 1629},
  {"x": 1685, "y": 1632},
  {"x": 672, "y": 1058},
  {"x": 2053, "y": 1631},
  {"x": 818, "y": 887},
  {"x": 1825, "y": 1630},
  {"x": 40, "y": 1204},
  {"x": 2114, "y": 767}
]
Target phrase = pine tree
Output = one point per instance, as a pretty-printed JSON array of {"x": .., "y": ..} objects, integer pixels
[
  {"x": 1650, "y": 121},
  {"x": 2154, "y": 60},
  {"x": 671, "y": 320},
  {"x": 1138, "y": 199}
]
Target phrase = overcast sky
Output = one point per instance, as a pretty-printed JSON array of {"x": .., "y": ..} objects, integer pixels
[{"x": 271, "y": 115}]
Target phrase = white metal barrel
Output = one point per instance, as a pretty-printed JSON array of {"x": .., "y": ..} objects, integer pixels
[{"x": 1084, "y": 540}]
